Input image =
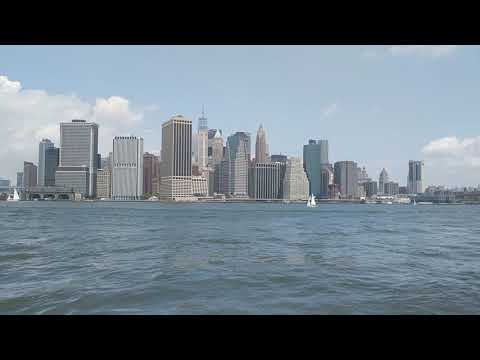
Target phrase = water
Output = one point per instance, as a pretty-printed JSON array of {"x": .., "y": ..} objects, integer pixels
[{"x": 154, "y": 258}]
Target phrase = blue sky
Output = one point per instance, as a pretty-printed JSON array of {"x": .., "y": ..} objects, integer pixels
[{"x": 377, "y": 105}]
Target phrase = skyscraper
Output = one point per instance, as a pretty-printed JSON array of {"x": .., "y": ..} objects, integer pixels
[
  {"x": 391, "y": 188},
  {"x": 176, "y": 165},
  {"x": 19, "y": 179},
  {"x": 266, "y": 179},
  {"x": 382, "y": 180},
  {"x": 127, "y": 174},
  {"x": 315, "y": 154},
  {"x": 217, "y": 148},
  {"x": 370, "y": 188},
  {"x": 29, "y": 174},
  {"x": 238, "y": 158},
  {"x": 202, "y": 141},
  {"x": 78, "y": 149},
  {"x": 295, "y": 183},
  {"x": 346, "y": 177},
  {"x": 261, "y": 151},
  {"x": 415, "y": 177},
  {"x": 42, "y": 147},
  {"x": 104, "y": 183},
  {"x": 52, "y": 155},
  {"x": 151, "y": 172},
  {"x": 326, "y": 179}
]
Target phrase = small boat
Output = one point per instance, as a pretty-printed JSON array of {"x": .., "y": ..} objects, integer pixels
[
  {"x": 311, "y": 201},
  {"x": 14, "y": 196},
  {"x": 414, "y": 202}
]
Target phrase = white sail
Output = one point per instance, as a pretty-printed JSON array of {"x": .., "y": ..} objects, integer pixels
[
  {"x": 313, "y": 201},
  {"x": 15, "y": 195}
]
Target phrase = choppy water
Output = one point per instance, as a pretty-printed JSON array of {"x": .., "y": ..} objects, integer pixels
[{"x": 153, "y": 258}]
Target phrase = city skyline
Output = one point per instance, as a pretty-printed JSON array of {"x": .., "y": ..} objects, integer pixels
[{"x": 438, "y": 127}]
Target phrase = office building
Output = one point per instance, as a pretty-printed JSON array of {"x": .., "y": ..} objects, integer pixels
[
  {"x": 217, "y": 148},
  {"x": 346, "y": 177},
  {"x": 202, "y": 141},
  {"x": 334, "y": 191},
  {"x": 402, "y": 190},
  {"x": 104, "y": 183},
  {"x": 79, "y": 149},
  {"x": 42, "y": 147},
  {"x": 391, "y": 188},
  {"x": 370, "y": 188},
  {"x": 127, "y": 174},
  {"x": 199, "y": 186},
  {"x": 151, "y": 172},
  {"x": 238, "y": 158},
  {"x": 51, "y": 159},
  {"x": 176, "y": 165},
  {"x": 326, "y": 178},
  {"x": 261, "y": 147},
  {"x": 295, "y": 182},
  {"x": 382, "y": 180},
  {"x": 75, "y": 178},
  {"x": 4, "y": 185},
  {"x": 315, "y": 154},
  {"x": 211, "y": 135},
  {"x": 282, "y": 159},
  {"x": 415, "y": 177},
  {"x": 19, "y": 179},
  {"x": 279, "y": 158},
  {"x": 29, "y": 174},
  {"x": 266, "y": 179}
]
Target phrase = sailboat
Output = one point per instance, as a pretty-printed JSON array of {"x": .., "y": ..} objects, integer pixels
[
  {"x": 14, "y": 197},
  {"x": 311, "y": 201}
]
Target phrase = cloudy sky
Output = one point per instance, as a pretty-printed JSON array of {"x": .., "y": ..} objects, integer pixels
[{"x": 377, "y": 105}]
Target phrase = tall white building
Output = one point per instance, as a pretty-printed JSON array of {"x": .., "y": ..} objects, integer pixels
[
  {"x": 295, "y": 182},
  {"x": 42, "y": 148},
  {"x": 382, "y": 180},
  {"x": 261, "y": 147},
  {"x": 238, "y": 159},
  {"x": 127, "y": 171},
  {"x": 202, "y": 142},
  {"x": 415, "y": 177},
  {"x": 176, "y": 165}
]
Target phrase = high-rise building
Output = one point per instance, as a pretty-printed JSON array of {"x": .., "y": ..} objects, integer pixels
[
  {"x": 266, "y": 179},
  {"x": 211, "y": 135},
  {"x": 382, "y": 180},
  {"x": 78, "y": 149},
  {"x": 370, "y": 188},
  {"x": 326, "y": 178},
  {"x": 199, "y": 186},
  {"x": 176, "y": 165},
  {"x": 279, "y": 158},
  {"x": 391, "y": 188},
  {"x": 19, "y": 179},
  {"x": 51, "y": 158},
  {"x": 315, "y": 154},
  {"x": 415, "y": 177},
  {"x": 282, "y": 159},
  {"x": 202, "y": 141},
  {"x": 295, "y": 182},
  {"x": 29, "y": 174},
  {"x": 346, "y": 177},
  {"x": 217, "y": 148},
  {"x": 104, "y": 183},
  {"x": 4, "y": 185},
  {"x": 151, "y": 172},
  {"x": 261, "y": 152},
  {"x": 42, "y": 147},
  {"x": 76, "y": 178},
  {"x": 238, "y": 158},
  {"x": 127, "y": 174}
]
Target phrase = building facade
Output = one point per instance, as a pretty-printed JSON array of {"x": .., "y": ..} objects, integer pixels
[
  {"x": 295, "y": 182},
  {"x": 346, "y": 177},
  {"x": 202, "y": 141},
  {"x": 371, "y": 188},
  {"x": 199, "y": 186},
  {"x": 78, "y": 149},
  {"x": 151, "y": 173},
  {"x": 127, "y": 174},
  {"x": 176, "y": 165},
  {"x": 42, "y": 147},
  {"x": 261, "y": 147},
  {"x": 104, "y": 183},
  {"x": 51, "y": 159},
  {"x": 315, "y": 154},
  {"x": 238, "y": 159},
  {"x": 19, "y": 179},
  {"x": 391, "y": 188},
  {"x": 75, "y": 178},
  {"x": 29, "y": 174},
  {"x": 266, "y": 179},
  {"x": 382, "y": 180},
  {"x": 415, "y": 183}
]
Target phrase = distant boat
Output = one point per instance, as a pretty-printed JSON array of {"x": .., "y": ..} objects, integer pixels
[
  {"x": 414, "y": 202},
  {"x": 14, "y": 197},
  {"x": 311, "y": 201}
]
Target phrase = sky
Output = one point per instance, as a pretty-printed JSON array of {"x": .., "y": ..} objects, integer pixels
[{"x": 380, "y": 106}]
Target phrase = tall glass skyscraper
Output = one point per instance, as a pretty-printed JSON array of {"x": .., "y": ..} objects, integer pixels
[
  {"x": 415, "y": 177},
  {"x": 127, "y": 174},
  {"x": 238, "y": 157},
  {"x": 315, "y": 156},
  {"x": 346, "y": 177},
  {"x": 42, "y": 147}
]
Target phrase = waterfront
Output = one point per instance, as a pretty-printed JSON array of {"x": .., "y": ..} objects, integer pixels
[{"x": 205, "y": 258}]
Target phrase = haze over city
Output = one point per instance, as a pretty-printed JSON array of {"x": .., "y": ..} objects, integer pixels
[{"x": 377, "y": 105}]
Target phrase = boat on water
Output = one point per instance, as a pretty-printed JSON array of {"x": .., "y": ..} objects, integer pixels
[
  {"x": 311, "y": 201},
  {"x": 14, "y": 196},
  {"x": 424, "y": 203}
]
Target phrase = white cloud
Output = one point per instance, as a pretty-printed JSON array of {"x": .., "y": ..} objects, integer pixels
[
  {"x": 27, "y": 116},
  {"x": 424, "y": 50},
  {"x": 330, "y": 110},
  {"x": 453, "y": 161}
]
